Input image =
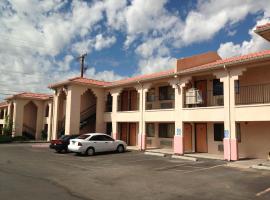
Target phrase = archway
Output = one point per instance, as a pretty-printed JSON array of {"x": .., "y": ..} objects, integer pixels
[
  {"x": 88, "y": 112},
  {"x": 30, "y": 120}
]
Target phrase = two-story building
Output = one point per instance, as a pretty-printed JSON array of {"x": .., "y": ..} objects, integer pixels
[{"x": 28, "y": 113}]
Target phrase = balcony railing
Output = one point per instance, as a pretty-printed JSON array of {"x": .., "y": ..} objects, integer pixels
[
  {"x": 197, "y": 98},
  {"x": 252, "y": 94},
  {"x": 155, "y": 103}
]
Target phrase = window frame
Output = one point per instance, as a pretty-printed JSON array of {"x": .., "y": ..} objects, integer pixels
[
  {"x": 153, "y": 129},
  {"x": 166, "y": 133}
]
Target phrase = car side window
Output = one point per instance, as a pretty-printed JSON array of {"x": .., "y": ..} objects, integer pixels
[
  {"x": 107, "y": 138},
  {"x": 97, "y": 138}
]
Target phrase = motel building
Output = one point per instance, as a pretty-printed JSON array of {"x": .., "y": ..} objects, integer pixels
[{"x": 204, "y": 105}]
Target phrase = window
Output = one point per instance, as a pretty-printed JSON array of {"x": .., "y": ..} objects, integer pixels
[
  {"x": 217, "y": 87},
  {"x": 218, "y": 132},
  {"x": 84, "y": 136},
  {"x": 150, "y": 130},
  {"x": 109, "y": 103},
  {"x": 47, "y": 111},
  {"x": 237, "y": 86},
  {"x": 109, "y": 128},
  {"x": 166, "y": 130},
  {"x": 107, "y": 138},
  {"x": 150, "y": 97},
  {"x": 238, "y": 132},
  {"x": 97, "y": 138},
  {"x": 166, "y": 93}
]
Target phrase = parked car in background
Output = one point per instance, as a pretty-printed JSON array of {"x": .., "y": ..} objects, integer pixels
[
  {"x": 92, "y": 143},
  {"x": 62, "y": 143}
]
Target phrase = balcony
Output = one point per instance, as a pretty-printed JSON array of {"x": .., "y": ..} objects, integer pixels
[
  {"x": 252, "y": 94},
  {"x": 194, "y": 97},
  {"x": 156, "y": 103}
]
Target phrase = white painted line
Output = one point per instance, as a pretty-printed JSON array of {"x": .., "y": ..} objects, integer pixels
[
  {"x": 155, "y": 154},
  {"x": 263, "y": 192},
  {"x": 184, "y": 158},
  {"x": 203, "y": 169},
  {"x": 260, "y": 167}
]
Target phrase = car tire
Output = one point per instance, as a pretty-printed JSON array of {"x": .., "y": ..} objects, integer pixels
[
  {"x": 90, "y": 151},
  {"x": 120, "y": 149}
]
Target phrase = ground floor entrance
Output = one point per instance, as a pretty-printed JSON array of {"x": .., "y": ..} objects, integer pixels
[{"x": 128, "y": 132}]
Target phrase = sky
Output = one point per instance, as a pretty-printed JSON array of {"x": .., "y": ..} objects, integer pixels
[{"x": 41, "y": 40}]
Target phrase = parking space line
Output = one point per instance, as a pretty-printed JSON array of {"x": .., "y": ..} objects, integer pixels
[
  {"x": 263, "y": 192},
  {"x": 203, "y": 169}
]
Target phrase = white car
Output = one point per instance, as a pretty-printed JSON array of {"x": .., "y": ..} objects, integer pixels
[{"x": 92, "y": 143}]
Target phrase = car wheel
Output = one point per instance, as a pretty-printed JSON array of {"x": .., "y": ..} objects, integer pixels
[
  {"x": 90, "y": 152},
  {"x": 120, "y": 149}
]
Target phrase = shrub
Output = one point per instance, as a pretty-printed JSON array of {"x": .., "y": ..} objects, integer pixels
[
  {"x": 5, "y": 138},
  {"x": 29, "y": 136},
  {"x": 44, "y": 135},
  {"x": 20, "y": 138}
]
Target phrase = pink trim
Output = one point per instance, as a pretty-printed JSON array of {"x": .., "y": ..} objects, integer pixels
[
  {"x": 230, "y": 149},
  {"x": 178, "y": 145},
  {"x": 226, "y": 148},
  {"x": 141, "y": 141},
  {"x": 114, "y": 136},
  {"x": 234, "y": 149}
]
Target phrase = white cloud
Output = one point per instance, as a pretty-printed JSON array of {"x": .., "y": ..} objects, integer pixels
[
  {"x": 103, "y": 42},
  {"x": 256, "y": 43}
]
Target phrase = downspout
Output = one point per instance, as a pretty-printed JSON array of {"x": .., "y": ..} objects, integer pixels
[
  {"x": 141, "y": 121},
  {"x": 229, "y": 84}
]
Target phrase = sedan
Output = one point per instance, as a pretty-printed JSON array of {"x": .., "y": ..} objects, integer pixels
[
  {"x": 92, "y": 143},
  {"x": 62, "y": 143}
]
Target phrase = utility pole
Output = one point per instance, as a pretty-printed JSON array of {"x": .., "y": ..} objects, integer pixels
[{"x": 82, "y": 59}]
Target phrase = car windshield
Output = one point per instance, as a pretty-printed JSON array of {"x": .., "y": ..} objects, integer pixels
[
  {"x": 63, "y": 137},
  {"x": 84, "y": 136}
]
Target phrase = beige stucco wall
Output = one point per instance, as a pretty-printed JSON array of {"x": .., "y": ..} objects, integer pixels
[{"x": 255, "y": 139}]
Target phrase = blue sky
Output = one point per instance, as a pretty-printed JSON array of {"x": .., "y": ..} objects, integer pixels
[{"x": 40, "y": 40}]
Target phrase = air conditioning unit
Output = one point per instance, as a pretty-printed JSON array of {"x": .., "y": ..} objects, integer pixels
[{"x": 193, "y": 96}]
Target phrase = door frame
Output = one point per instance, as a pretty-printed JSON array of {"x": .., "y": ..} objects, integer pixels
[{"x": 195, "y": 127}]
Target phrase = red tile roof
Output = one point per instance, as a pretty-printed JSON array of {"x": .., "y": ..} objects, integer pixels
[
  {"x": 30, "y": 95},
  {"x": 229, "y": 61},
  {"x": 3, "y": 104},
  {"x": 263, "y": 27},
  {"x": 143, "y": 77},
  {"x": 213, "y": 65},
  {"x": 89, "y": 81}
]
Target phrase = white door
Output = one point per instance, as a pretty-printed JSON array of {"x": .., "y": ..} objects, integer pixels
[
  {"x": 97, "y": 141},
  {"x": 109, "y": 143}
]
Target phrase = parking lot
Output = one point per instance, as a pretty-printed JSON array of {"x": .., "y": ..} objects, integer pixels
[{"x": 28, "y": 172}]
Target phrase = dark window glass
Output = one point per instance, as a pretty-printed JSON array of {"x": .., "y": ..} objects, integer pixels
[
  {"x": 97, "y": 138},
  {"x": 218, "y": 132},
  {"x": 84, "y": 136},
  {"x": 166, "y": 93},
  {"x": 107, "y": 138},
  {"x": 237, "y": 86},
  {"x": 238, "y": 132},
  {"x": 109, "y": 103},
  {"x": 150, "y": 130},
  {"x": 166, "y": 130},
  {"x": 217, "y": 87},
  {"x": 150, "y": 97}
]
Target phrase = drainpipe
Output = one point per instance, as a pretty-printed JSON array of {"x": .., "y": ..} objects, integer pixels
[
  {"x": 141, "y": 138},
  {"x": 229, "y": 84}
]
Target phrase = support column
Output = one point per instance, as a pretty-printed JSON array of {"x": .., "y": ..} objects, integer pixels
[
  {"x": 178, "y": 85},
  {"x": 49, "y": 136},
  {"x": 230, "y": 142},
  {"x": 54, "y": 114},
  {"x": 17, "y": 119},
  {"x": 142, "y": 90},
  {"x": 72, "y": 124},
  {"x": 115, "y": 93},
  {"x": 40, "y": 118}
]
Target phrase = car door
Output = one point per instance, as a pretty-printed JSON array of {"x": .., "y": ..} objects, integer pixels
[
  {"x": 109, "y": 143},
  {"x": 97, "y": 141}
]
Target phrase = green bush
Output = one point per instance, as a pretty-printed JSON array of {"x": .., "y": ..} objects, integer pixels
[
  {"x": 5, "y": 138},
  {"x": 44, "y": 135},
  {"x": 20, "y": 138}
]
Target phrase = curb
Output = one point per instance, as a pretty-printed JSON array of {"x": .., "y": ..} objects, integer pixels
[
  {"x": 155, "y": 154},
  {"x": 185, "y": 158},
  {"x": 260, "y": 167}
]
